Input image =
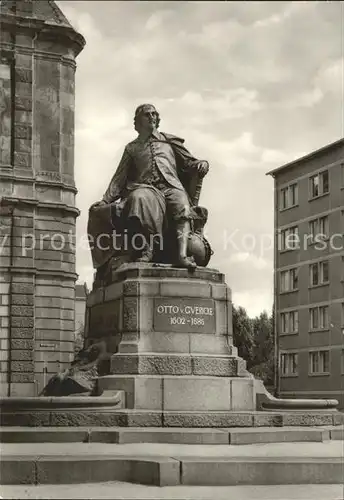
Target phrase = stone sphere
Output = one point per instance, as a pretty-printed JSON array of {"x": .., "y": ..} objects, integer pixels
[{"x": 199, "y": 249}]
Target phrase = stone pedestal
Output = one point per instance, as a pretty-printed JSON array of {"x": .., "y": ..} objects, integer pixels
[{"x": 170, "y": 331}]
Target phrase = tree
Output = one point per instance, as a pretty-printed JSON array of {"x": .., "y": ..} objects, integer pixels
[
  {"x": 262, "y": 336},
  {"x": 254, "y": 339},
  {"x": 243, "y": 334},
  {"x": 263, "y": 348}
]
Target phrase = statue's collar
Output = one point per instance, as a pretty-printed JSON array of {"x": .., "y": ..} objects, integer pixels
[
  {"x": 156, "y": 134},
  {"x": 172, "y": 138},
  {"x": 161, "y": 136}
]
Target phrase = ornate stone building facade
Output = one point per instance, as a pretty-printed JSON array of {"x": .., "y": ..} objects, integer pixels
[{"x": 37, "y": 192}]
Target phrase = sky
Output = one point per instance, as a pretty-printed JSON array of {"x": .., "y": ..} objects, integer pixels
[{"x": 249, "y": 85}]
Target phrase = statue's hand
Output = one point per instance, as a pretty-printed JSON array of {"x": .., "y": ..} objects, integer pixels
[
  {"x": 203, "y": 168},
  {"x": 98, "y": 204}
]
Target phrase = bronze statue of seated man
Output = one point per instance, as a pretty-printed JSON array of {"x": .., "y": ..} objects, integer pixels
[{"x": 150, "y": 209}]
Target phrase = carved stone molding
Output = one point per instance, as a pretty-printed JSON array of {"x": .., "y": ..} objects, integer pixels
[{"x": 48, "y": 176}]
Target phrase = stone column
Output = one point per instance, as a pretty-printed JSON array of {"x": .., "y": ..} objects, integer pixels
[{"x": 37, "y": 190}]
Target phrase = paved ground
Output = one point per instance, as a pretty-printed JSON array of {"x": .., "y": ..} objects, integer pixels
[
  {"x": 329, "y": 449},
  {"x": 116, "y": 491}
]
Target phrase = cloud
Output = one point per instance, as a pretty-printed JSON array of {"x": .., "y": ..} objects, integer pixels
[
  {"x": 256, "y": 301},
  {"x": 290, "y": 9},
  {"x": 215, "y": 106},
  {"x": 250, "y": 260},
  {"x": 330, "y": 78},
  {"x": 158, "y": 19},
  {"x": 249, "y": 85}
]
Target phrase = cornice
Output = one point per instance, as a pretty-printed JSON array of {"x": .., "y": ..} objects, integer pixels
[
  {"x": 40, "y": 28},
  {"x": 9, "y": 200},
  {"x": 34, "y": 181},
  {"x": 36, "y": 271}
]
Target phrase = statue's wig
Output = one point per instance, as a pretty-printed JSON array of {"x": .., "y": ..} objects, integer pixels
[{"x": 138, "y": 113}]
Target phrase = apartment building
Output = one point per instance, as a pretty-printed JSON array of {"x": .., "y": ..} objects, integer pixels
[{"x": 309, "y": 274}]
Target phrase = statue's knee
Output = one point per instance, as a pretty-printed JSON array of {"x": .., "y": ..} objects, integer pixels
[{"x": 140, "y": 194}]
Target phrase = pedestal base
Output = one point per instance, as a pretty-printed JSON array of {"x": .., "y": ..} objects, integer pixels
[{"x": 183, "y": 392}]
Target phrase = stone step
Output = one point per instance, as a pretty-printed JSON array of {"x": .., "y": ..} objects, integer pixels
[
  {"x": 235, "y": 436},
  {"x": 109, "y": 417},
  {"x": 172, "y": 465}
]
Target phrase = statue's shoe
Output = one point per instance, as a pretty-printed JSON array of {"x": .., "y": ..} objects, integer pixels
[
  {"x": 186, "y": 262},
  {"x": 146, "y": 256}
]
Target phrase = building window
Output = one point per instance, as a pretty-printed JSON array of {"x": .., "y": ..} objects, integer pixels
[
  {"x": 319, "y": 184},
  {"x": 289, "y": 238},
  {"x": 318, "y": 229},
  {"x": 315, "y": 186},
  {"x": 342, "y": 363},
  {"x": 324, "y": 271},
  {"x": 284, "y": 323},
  {"x": 294, "y": 321},
  {"x": 289, "y": 280},
  {"x": 289, "y": 363},
  {"x": 293, "y": 194},
  {"x": 289, "y": 322},
  {"x": 314, "y": 318},
  {"x": 284, "y": 198},
  {"x": 323, "y": 317},
  {"x": 314, "y": 274},
  {"x": 319, "y": 362},
  {"x": 313, "y": 229},
  {"x": 289, "y": 196},
  {"x": 342, "y": 174},
  {"x": 319, "y": 273},
  {"x": 324, "y": 226},
  {"x": 318, "y": 318}
]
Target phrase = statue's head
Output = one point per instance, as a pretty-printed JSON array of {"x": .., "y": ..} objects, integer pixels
[{"x": 146, "y": 118}]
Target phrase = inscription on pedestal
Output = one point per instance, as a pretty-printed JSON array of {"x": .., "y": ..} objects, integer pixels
[{"x": 184, "y": 315}]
